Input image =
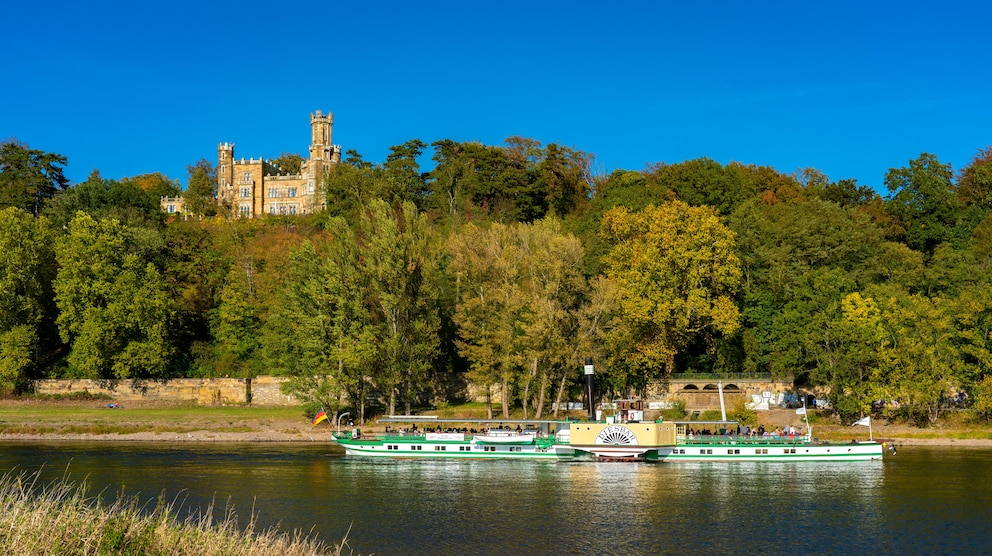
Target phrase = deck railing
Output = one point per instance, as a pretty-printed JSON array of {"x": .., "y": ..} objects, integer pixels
[{"x": 727, "y": 439}]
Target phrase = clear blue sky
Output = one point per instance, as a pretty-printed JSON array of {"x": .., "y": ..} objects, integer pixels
[{"x": 849, "y": 88}]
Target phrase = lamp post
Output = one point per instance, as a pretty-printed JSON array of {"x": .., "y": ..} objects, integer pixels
[
  {"x": 339, "y": 419},
  {"x": 589, "y": 389}
]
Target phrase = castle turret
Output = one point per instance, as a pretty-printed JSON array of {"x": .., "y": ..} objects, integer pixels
[
  {"x": 225, "y": 171},
  {"x": 321, "y": 148}
]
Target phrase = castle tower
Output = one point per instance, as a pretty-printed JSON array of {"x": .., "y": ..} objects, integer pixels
[
  {"x": 321, "y": 148},
  {"x": 225, "y": 171}
]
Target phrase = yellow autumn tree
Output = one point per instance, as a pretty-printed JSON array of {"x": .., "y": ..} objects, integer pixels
[{"x": 676, "y": 273}]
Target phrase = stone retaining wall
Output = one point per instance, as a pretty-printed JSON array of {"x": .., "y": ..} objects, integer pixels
[{"x": 263, "y": 390}]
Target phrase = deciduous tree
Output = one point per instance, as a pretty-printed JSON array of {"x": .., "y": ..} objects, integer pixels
[
  {"x": 114, "y": 306},
  {"x": 27, "y": 267},
  {"x": 200, "y": 196},
  {"x": 676, "y": 273}
]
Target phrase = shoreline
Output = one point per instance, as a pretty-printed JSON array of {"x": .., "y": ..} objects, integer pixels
[
  {"x": 275, "y": 437},
  {"x": 89, "y": 421}
]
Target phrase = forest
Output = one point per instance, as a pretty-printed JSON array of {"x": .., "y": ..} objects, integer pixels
[{"x": 508, "y": 266}]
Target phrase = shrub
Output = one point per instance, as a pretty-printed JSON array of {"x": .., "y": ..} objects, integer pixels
[
  {"x": 741, "y": 413},
  {"x": 982, "y": 405},
  {"x": 677, "y": 411}
]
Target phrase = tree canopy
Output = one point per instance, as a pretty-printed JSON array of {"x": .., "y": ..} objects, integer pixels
[{"x": 498, "y": 268}]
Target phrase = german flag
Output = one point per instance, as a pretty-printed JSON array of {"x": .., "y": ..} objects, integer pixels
[{"x": 320, "y": 416}]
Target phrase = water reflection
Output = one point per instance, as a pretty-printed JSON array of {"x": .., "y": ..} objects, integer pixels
[{"x": 921, "y": 498}]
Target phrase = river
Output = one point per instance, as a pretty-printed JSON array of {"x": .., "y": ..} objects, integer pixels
[{"x": 921, "y": 500}]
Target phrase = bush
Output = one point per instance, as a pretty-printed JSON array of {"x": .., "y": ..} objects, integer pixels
[
  {"x": 982, "y": 405},
  {"x": 677, "y": 411},
  {"x": 743, "y": 414},
  {"x": 711, "y": 415}
]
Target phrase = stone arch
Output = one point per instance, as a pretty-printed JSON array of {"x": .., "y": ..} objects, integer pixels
[{"x": 691, "y": 387}]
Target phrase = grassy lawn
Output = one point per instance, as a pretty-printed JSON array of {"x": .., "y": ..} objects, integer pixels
[{"x": 78, "y": 417}]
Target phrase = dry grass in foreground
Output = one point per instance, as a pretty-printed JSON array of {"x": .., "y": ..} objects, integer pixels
[{"x": 60, "y": 519}]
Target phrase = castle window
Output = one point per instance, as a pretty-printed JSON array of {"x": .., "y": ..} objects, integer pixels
[
  {"x": 246, "y": 177},
  {"x": 282, "y": 209},
  {"x": 310, "y": 187},
  {"x": 292, "y": 209},
  {"x": 291, "y": 192},
  {"x": 170, "y": 209},
  {"x": 272, "y": 210},
  {"x": 245, "y": 210},
  {"x": 223, "y": 155},
  {"x": 245, "y": 192},
  {"x": 273, "y": 192}
]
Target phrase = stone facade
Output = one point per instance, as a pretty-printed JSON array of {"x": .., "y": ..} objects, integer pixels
[
  {"x": 263, "y": 390},
  {"x": 700, "y": 394},
  {"x": 253, "y": 187},
  {"x": 173, "y": 205}
]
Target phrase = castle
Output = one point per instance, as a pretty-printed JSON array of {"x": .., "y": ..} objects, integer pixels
[{"x": 254, "y": 187}]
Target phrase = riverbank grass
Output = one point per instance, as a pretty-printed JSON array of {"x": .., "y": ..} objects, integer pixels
[
  {"x": 41, "y": 418},
  {"x": 59, "y": 518}
]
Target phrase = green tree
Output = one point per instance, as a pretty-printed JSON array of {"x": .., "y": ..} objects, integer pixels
[
  {"x": 780, "y": 243},
  {"x": 926, "y": 361},
  {"x": 238, "y": 321},
  {"x": 524, "y": 320},
  {"x": 351, "y": 185},
  {"x": 518, "y": 182},
  {"x": 621, "y": 188},
  {"x": 156, "y": 184},
  {"x": 102, "y": 198},
  {"x": 975, "y": 180},
  {"x": 194, "y": 270},
  {"x": 319, "y": 332},
  {"x": 801, "y": 336},
  {"x": 27, "y": 267},
  {"x": 858, "y": 364},
  {"x": 447, "y": 190},
  {"x": 402, "y": 171},
  {"x": 562, "y": 176},
  {"x": 114, "y": 307},
  {"x": 556, "y": 314},
  {"x": 676, "y": 273},
  {"x": 922, "y": 197},
  {"x": 289, "y": 163},
  {"x": 490, "y": 305},
  {"x": 200, "y": 196},
  {"x": 982, "y": 404},
  {"x": 400, "y": 276},
  {"x": 704, "y": 182},
  {"x": 29, "y": 177}
]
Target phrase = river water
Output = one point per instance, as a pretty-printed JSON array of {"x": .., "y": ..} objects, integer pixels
[{"x": 921, "y": 500}]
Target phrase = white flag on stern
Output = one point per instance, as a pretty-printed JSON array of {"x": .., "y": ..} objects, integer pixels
[
  {"x": 801, "y": 411},
  {"x": 866, "y": 422}
]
